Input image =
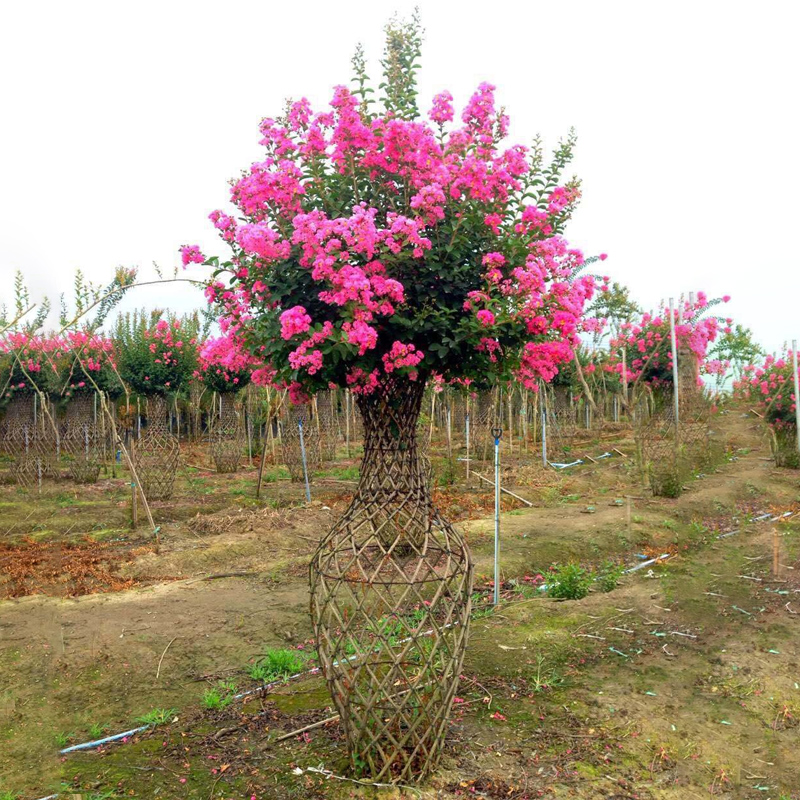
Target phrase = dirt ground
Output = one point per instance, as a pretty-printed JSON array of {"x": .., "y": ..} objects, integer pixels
[{"x": 683, "y": 682}]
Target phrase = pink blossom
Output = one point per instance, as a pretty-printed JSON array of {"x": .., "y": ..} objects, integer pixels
[{"x": 190, "y": 254}]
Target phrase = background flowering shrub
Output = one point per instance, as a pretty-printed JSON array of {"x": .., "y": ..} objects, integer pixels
[
  {"x": 646, "y": 340},
  {"x": 371, "y": 241},
  {"x": 771, "y": 386},
  {"x": 87, "y": 363},
  {"x": 223, "y": 364},
  {"x": 156, "y": 356},
  {"x": 28, "y": 363}
]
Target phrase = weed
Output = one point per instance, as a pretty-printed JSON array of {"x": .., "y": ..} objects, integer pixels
[
  {"x": 278, "y": 665},
  {"x": 568, "y": 582},
  {"x": 63, "y": 739},
  {"x": 608, "y": 576},
  {"x": 545, "y": 679},
  {"x": 97, "y": 729},
  {"x": 156, "y": 717},
  {"x": 219, "y": 696}
]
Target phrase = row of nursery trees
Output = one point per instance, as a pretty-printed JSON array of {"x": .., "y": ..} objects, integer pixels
[
  {"x": 378, "y": 246},
  {"x": 145, "y": 354}
]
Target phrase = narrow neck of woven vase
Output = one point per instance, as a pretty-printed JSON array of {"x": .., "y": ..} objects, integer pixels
[
  {"x": 391, "y": 470},
  {"x": 80, "y": 409},
  {"x": 157, "y": 414},
  {"x": 228, "y": 414},
  {"x": 21, "y": 409}
]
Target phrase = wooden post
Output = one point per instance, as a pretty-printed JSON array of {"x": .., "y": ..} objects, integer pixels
[
  {"x": 675, "y": 387},
  {"x": 134, "y": 492},
  {"x": 776, "y": 566}
]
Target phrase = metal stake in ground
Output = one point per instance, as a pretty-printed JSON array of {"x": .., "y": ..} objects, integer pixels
[
  {"x": 466, "y": 422},
  {"x": 303, "y": 456},
  {"x": 796, "y": 392},
  {"x": 497, "y": 433},
  {"x": 544, "y": 430}
]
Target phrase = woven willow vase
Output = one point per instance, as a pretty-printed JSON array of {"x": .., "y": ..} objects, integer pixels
[
  {"x": 81, "y": 439},
  {"x": 390, "y": 600},
  {"x": 227, "y": 436},
  {"x": 157, "y": 452}
]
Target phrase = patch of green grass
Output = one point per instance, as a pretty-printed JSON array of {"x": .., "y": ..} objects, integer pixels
[
  {"x": 9, "y": 796},
  {"x": 156, "y": 717},
  {"x": 63, "y": 739},
  {"x": 97, "y": 730},
  {"x": 278, "y": 665}
]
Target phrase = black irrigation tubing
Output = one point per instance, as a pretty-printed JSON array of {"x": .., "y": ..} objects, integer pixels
[{"x": 315, "y": 670}]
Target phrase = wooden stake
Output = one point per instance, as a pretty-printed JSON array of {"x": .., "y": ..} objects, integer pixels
[
  {"x": 775, "y": 553},
  {"x": 504, "y": 490}
]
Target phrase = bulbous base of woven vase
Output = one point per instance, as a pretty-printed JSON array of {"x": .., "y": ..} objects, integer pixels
[
  {"x": 784, "y": 446},
  {"x": 390, "y": 601}
]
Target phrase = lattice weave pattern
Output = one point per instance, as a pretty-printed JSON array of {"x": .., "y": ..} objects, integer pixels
[
  {"x": 326, "y": 423},
  {"x": 31, "y": 441},
  {"x": 290, "y": 442},
  {"x": 157, "y": 452},
  {"x": 227, "y": 434},
  {"x": 391, "y": 586},
  {"x": 81, "y": 439}
]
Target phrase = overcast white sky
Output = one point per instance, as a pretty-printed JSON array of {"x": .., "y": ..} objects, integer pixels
[{"x": 121, "y": 124}]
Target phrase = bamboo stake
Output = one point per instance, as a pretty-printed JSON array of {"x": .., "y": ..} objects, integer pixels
[{"x": 504, "y": 490}]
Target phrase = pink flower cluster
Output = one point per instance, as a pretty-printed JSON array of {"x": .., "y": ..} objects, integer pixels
[
  {"x": 226, "y": 359},
  {"x": 344, "y": 215},
  {"x": 771, "y": 385},
  {"x": 648, "y": 345},
  {"x": 190, "y": 254},
  {"x": 402, "y": 357}
]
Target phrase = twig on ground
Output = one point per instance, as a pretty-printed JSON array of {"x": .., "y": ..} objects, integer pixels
[{"x": 160, "y": 660}]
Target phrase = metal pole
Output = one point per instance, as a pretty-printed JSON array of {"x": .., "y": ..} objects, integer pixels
[
  {"x": 676, "y": 387},
  {"x": 305, "y": 465},
  {"x": 347, "y": 421},
  {"x": 467, "y": 437},
  {"x": 796, "y": 392},
  {"x": 544, "y": 429},
  {"x": 497, "y": 433}
]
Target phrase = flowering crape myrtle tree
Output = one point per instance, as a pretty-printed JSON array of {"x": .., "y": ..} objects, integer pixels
[
  {"x": 772, "y": 385},
  {"x": 225, "y": 368},
  {"x": 374, "y": 248},
  {"x": 669, "y": 447},
  {"x": 157, "y": 357},
  {"x": 87, "y": 366}
]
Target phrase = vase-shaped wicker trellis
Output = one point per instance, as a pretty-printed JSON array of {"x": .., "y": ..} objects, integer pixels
[
  {"x": 483, "y": 416},
  {"x": 390, "y": 600},
  {"x": 30, "y": 439},
  {"x": 157, "y": 452},
  {"x": 291, "y": 446},
  {"x": 783, "y": 438},
  {"x": 561, "y": 423},
  {"x": 82, "y": 439},
  {"x": 326, "y": 423},
  {"x": 227, "y": 434}
]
